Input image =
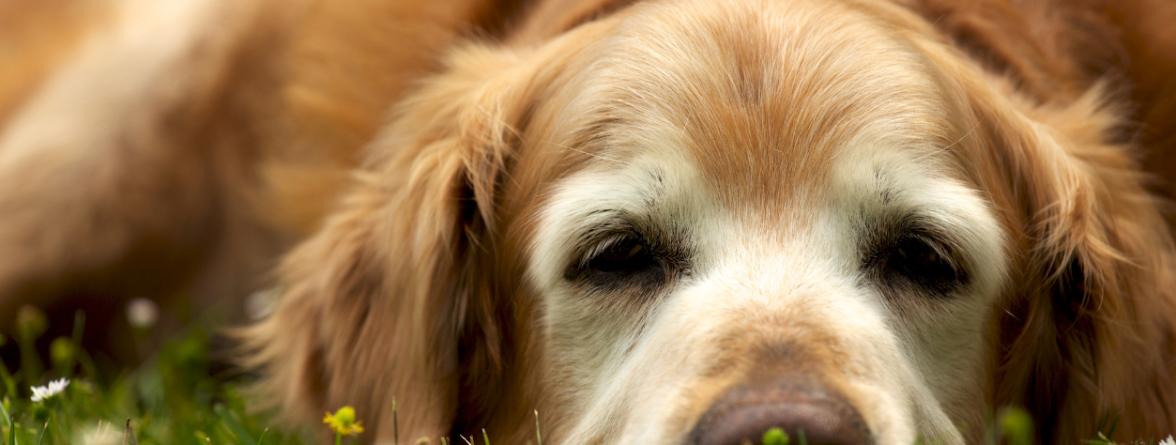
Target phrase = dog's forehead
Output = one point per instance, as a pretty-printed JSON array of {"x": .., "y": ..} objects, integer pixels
[{"x": 761, "y": 99}]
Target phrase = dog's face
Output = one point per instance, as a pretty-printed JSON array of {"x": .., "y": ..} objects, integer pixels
[
  {"x": 769, "y": 230},
  {"x": 690, "y": 222}
]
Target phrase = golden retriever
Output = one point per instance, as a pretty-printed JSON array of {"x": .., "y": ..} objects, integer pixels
[{"x": 655, "y": 222}]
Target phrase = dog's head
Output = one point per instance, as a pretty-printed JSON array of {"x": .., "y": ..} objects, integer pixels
[{"x": 689, "y": 222}]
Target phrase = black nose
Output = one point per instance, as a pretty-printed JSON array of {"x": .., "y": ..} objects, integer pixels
[{"x": 742, "y": 416}]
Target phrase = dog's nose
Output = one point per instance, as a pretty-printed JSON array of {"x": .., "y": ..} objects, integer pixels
[{"x": 743, "y": 416}]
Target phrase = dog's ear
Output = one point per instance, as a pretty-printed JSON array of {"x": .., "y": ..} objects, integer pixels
[
  {"x": 1085, "y": 331},
  {"x": 394, "y": 298},
  {"x": 1087, "y": 336}
]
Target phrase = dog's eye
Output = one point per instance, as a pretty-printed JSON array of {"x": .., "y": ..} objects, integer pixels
[
  {"x": 623, "y": 261},
  {"x": 625, "y": 255},
  {"x": 925, "y": 262}
]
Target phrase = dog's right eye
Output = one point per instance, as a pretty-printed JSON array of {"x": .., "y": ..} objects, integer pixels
[
  {"x": 622, "y": 261},
  {"x": 625, "y": 255}
]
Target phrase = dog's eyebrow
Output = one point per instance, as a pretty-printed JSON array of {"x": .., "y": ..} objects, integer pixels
[
  {"x": 603, "y": 221},
  {"x": 913, "y": 222},
  {"x": 886, "y": 190},
  {"x": 602, "y": 211},
  {"x": 596, "y": 131},
  {"x": 886, "y": 195}
]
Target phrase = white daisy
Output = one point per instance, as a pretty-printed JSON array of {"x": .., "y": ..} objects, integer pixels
[
  {"x": 55, "y": 387},
  {"x": 1168, "y": 441}
]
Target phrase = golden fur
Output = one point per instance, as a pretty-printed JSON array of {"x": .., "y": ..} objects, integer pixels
[{"x": 264, "y": 132}]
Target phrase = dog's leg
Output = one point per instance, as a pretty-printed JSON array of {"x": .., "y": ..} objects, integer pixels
[{"x": 132, "y": 165}]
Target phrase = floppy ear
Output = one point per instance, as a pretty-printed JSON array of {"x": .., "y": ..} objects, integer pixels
[
  {"x": 1085, "y": 332},
  {"x": 394, "y": 297},
  {"x": 1089, "y": 334}
]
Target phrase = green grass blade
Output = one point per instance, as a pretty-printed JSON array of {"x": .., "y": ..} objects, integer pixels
[
  {"x": 233, "y": 424},
  {"x": 4, "y": 412},
  {"x": 11, "y": 424},
  {"x": 75, "y": 343},
  {"x": 1114, "y": 424}
]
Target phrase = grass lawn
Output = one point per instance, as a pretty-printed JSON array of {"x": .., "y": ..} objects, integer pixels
[{"x": 174, "y": 398}]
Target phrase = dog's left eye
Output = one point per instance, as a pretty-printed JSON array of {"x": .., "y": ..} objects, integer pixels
[{"x": 916, "y": 259}]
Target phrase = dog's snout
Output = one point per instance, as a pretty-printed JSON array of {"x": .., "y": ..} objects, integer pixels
[{"x": 743, "y": 415}]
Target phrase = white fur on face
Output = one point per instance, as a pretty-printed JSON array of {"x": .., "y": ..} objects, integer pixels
[
  {"x": 776, "y": 267},
  {"x": 623, "y": 364}
]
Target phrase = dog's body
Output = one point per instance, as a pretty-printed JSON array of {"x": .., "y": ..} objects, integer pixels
[{"x": 653, "y": 222}]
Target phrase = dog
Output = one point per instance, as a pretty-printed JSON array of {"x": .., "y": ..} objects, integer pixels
[{"x": 622, "y": 222}]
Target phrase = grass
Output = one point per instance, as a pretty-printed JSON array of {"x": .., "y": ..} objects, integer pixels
[
  {"x": 174, "y": 399},
  {"x": 170, "y": 399}
]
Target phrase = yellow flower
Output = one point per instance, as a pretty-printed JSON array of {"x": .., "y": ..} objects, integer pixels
[{"x": 343, "y": 421}]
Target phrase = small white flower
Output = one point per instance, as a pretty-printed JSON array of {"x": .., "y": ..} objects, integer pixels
[
  {"x": 55, "y": 387},
  {"x": 142, "y": 313},
  {"x": 1168, "y": 441}
]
